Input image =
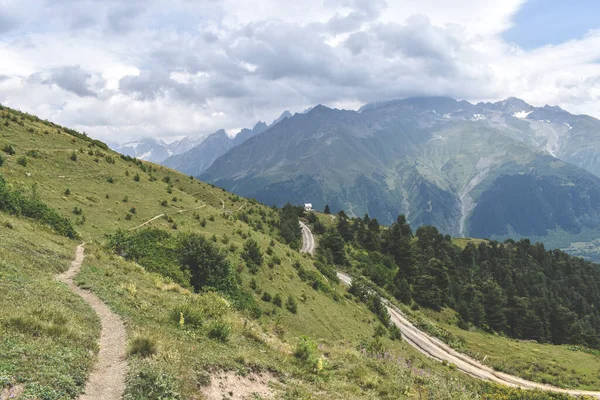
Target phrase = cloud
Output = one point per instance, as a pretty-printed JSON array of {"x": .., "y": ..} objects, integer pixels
[
  {"x": 151, "y": 68},
  {"x": 70, "y": 78},
  {"x": 7, "y": 22}
]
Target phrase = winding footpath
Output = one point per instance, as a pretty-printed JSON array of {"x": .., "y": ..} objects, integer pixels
[
  {"x": 107, "y": 381},
  {"x": 438, "y": 350}
]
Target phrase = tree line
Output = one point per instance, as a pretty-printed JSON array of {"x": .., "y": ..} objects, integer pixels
[{"x": 518, "y": 289}]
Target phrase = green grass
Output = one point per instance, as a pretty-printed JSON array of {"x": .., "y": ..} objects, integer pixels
[
  {"x": 177, "y": 339},
  {"x": 48, "y": 335}
]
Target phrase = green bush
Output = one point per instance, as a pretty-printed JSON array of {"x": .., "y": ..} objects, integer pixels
[
  {"x": 22, "y": 161},
  {"x": 219, "y": 330},
  {"x": 207, "y": 265},
  {"x": 266, "y": 297},
  {"x": 33, "y": 154},
  {"x": 277, "y": 300},
  {"x": 142, "y": 346},
  {"x": 9, "y": 149},
  {"x": 136, "y": 177},
  {"x": 291, "y": 305},
  {"x": 252, "y": 255},
  {"x": 73, "y": 156},
  {"x": 30, "y": 207},
  {"x": 1, "y": 160},
  {"x": 188, "y": 315}
]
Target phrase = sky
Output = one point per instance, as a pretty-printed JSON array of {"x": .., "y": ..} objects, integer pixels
[{"x": 124, "y": 70}]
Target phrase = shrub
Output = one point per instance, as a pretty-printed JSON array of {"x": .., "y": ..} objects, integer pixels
[
  {"x": 266, "y": 296},
  {"x": 142, "y": 346},
  {"x": 277, "y": 300},
  {"x": 395, "y": 333},
  {"x": 164, "y": 203},
  {"x": 33, "y": 154},
  {"x": 1, "y": 160},
  {"x": 291, "y": 305},
  {"x": 77, "y": 210},
  {"x": 110, "y": 179},
  {"x": 128, "y": 217},
  {"x": 219, "y": 330},
  {"x": 133, "y": 210},
  {"x": 125, "y": 199},
  {"x": 22, "y": 161},
  {"x": 9, "y": 149},
  {"x": 252, "y": 255},
  {"x": 73, "y": 156},
  {"x": 211, "y": 218},
  {"x": 67, "y": 192},
  {"x": 153, "y": 382},
  {"x": 136, "y": 177},
  {"x": 203, "y": 222},
  {"x": 306, "y": 352},
  {"x": 188, "y": 315},
  {"x": 207, "y": 265}
]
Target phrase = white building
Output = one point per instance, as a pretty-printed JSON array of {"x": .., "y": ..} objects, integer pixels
[{"x": 308, "y": 207}]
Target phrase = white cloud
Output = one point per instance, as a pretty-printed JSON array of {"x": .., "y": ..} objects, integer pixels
[{"x": 157, "y": 69}]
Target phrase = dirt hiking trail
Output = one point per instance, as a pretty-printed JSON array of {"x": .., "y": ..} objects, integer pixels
[{"x": 107, "y": 380}]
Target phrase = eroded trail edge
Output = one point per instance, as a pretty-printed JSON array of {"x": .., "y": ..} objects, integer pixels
[{"x": 107, "y": 381}]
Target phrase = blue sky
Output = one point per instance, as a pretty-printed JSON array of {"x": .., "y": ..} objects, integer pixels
[{"x": 546, "y": 22}]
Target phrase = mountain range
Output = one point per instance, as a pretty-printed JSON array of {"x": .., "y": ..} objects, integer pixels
[
  {"x": 196, "y": 160},
  {"x": 493, "y": 170},
  {"x": 156, "y": 150}
]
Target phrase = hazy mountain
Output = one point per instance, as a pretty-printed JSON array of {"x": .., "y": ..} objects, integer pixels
[
  {"x": 148, "y": 149},
  {"x": 485, "y": 170},
  {"x": 155, "y": 150},
  {"x": 197, "y": 159}
]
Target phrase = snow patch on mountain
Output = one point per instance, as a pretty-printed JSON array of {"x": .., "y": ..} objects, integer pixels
[{"x": 522, "y": 114}]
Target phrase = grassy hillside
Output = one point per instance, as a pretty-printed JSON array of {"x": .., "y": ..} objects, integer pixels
[{"x": 180, "y": 343}]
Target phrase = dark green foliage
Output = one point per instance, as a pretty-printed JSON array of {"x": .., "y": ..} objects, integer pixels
[
  {"x": 73, "y": 156},
  {"x": 31, "y": 207},
  {"x": 513, "y": 288},
  {"x": 252, "y": 255},
  {"x": 334, "y": 242},
  {"x": 266, "y": 297},
  {"x": 219, "y": 330},
  {"x": 136, "y": 177},
  {"x": 33, "y": 154},
  {"x": 1, "y": 160},
  {"x": 189, "y": 259},
  {"x": 22, "y": 161},
  {"x": 154, "y": 249},
  {"x": 206, "y": 264},
  {"x": 289, "y": 225},
  {"x": 277, "y": 300},
  {"x": 9, "y": 149},
  {"x": 291, "y": 305},
  {"x": 327, "y": 210}
]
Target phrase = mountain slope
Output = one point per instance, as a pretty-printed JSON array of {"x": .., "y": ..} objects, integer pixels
[
  {"x": 436, "y": 160},
  {"x": 197, "y": 159}
]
